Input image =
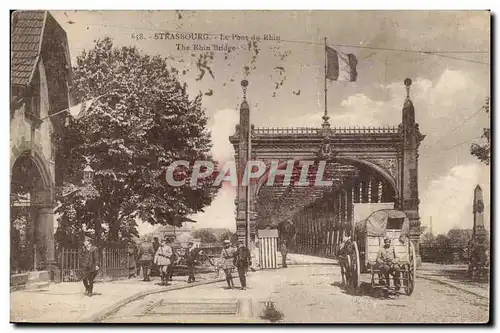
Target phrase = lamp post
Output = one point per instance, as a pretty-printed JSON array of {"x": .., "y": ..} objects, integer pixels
[{"x": 244, "y": 85}]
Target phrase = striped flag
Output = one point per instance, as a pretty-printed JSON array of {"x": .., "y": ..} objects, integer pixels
[
  {"x": 80, "y": 110},
  {"x": 341, "y": 66}
]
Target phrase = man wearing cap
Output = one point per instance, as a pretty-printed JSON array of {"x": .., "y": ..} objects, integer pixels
[
  {"x": 243, "y": 260},
  {"x": 162, "y": 259},
  {"x": 388, "y": 264},
  {"x": 191, "y": 259},
  {"x": 90, "y": 263},
  {"x": 146, "y": 256},
  {"x": 227, "y": 258}
]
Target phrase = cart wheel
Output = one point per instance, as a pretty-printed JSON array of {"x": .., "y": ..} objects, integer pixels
[
  {"x": 347, "y": 268},
  {"x": 355, "y": 268},
  {"x": 412, "y": 267}
]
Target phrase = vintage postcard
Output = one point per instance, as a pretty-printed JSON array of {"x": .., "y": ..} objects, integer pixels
[{"x": 250, "y": 166}]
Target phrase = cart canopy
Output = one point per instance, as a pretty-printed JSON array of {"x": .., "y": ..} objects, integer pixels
[{"x": 380, "y": 221}]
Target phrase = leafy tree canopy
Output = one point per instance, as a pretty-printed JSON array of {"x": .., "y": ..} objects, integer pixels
[
  {"x": 142, "y": 121},
  {"x": 205, "y": 235},
  {"x": 483, "y": 151}
]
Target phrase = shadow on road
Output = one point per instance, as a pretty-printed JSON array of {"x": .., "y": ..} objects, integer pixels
[
  {"x": 459, "y": 275},
  {"x": 366, "y": 289}
]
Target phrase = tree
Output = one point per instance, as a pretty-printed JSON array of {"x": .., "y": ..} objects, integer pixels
[
  {"x": 227, "y": 234},
  {"x": 205, "y": 235},
  {"x": 483, "y": 151},
  {"x": 427, "y": 239},
  {"x": 142, "y": 121},
  {"x": 460, "y": 237}
]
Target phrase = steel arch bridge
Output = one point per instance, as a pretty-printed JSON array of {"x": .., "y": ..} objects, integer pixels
[{"x": 364, "y": 165}]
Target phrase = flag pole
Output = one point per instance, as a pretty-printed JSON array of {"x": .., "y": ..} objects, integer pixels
[
  {"x": 326, "y": 89},
  {"x": 326, "y": 124},
  {"x": 67, "y": 109}
]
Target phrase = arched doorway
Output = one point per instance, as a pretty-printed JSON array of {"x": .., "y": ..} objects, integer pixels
[
  {"x": 315, "y": 217},
  {"x": 31, "y": 218}
]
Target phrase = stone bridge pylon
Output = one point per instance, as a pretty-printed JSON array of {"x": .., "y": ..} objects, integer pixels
[{"x": 361, "y": 165}]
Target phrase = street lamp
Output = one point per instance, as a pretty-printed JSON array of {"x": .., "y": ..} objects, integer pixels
[{"x": 88, "y": 175}]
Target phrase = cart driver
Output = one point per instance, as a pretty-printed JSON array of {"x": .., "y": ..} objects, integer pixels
[{"x": 388, "y": 263}]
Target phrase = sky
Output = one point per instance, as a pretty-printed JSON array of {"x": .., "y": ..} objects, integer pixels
[{"x": 447, "y": 92}]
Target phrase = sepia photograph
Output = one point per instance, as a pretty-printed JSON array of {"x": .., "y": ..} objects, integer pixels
[{"x": 250, "y": 166}]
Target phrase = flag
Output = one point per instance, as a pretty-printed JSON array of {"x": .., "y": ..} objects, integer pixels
[
  {"x": 340, "y": 66},
  {"x": 80, "y": 110}
]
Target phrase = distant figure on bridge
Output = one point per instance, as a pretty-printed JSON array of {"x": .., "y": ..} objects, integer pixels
[
  {"x": 243, "y": 260},
  {"x": 90, "y": 264},
  {"x": 227, "y": 262},
  {"x": 387, "y": 263},
  {"x": 284, "y": 252},
  {"x": 146, "y": 256}
]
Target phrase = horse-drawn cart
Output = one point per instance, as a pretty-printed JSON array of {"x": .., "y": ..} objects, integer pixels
[{"x": 359, "y": 255}]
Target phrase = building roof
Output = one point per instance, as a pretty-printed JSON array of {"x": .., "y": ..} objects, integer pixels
[{"x": 26, "y": 39}]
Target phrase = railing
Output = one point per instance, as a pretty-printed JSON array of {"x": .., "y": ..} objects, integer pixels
[
  {"x": 115, "y": 264},
  {"x": 263, "y": 131}
]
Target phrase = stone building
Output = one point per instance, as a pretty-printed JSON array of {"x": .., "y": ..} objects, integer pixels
[{"x": 40, "y": 80}]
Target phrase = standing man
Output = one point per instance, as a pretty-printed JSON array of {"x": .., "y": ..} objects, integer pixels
[
  {"x": 387, "y": 263},
  {"x": 284, "y": 252},
  {"x": 243, "y": 260},
  {"x": 163, "y": 260},
  {"x": 90, "y": 266},
  {"x": 173, "y": 260},
  {"x": 227, "y": 262},
  {"x": 191, "y": 259},
  {"x": 155, "y": 270},
  {"x": 146, "y": 256}
]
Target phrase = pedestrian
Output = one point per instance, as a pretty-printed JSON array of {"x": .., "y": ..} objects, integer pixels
[
  {"x": 227, "y": 259},
  {"x": 90, "y": 266},
  {"x": 146, "y": 255},
  {"x": 155, "y": 270},
  {"x": 174, "y": 260},
  {"x": 131, "y": 261},
  {"x": 243, "y": 260},
  {"x": 284, "y": 252},
  {"x": 191, "y": 257},
  {"x": 163, "y": 260}
]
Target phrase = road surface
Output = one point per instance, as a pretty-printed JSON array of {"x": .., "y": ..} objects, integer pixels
[{"x": 304, "y": 294}]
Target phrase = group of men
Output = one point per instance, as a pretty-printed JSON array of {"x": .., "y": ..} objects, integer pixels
[
  {"x": 162, "y": 258},
  {"x": 235, "y": 257}
]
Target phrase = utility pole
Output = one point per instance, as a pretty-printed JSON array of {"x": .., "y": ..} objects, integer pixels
[{"x": 430, "y": 223}]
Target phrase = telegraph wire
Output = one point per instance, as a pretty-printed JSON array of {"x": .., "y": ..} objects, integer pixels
[
  {"x": 453, "y": 130},
  {"x": 435, "y": 53}
]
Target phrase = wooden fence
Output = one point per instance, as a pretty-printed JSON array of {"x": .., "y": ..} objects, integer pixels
[
  {"x": 268, "y": 248},
  {"x": 115, "y": 264}
]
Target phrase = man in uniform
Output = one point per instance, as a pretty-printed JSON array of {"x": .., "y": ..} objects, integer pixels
[
  {"x": 90, "y": 265},
  {"x": 146, "y": 256},
  {"x": 163, "y": 260},
  {"x": 174, "y": 260},
  {"x": 227, "y": 262},
  {"x": 388, "y": 264},
  {"x": 284, "y": 252},
  {"x": 243, "y": 260},
  {"x": 191, "y": 259},
  {"x": 155, "y": 270}
]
